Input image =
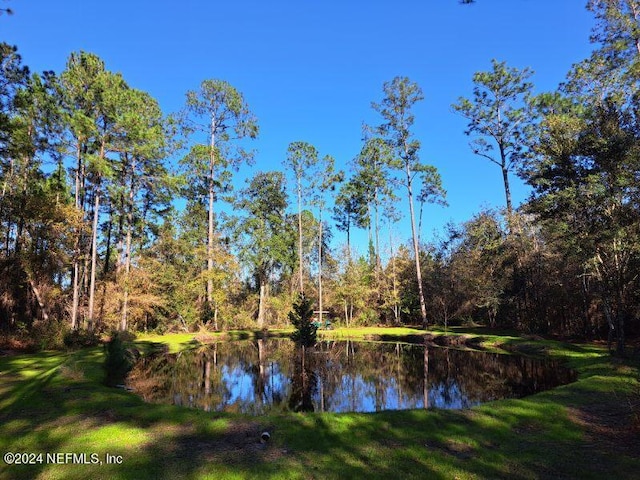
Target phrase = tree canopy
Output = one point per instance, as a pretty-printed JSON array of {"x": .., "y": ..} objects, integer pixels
[{"x": 117, "y": 215}]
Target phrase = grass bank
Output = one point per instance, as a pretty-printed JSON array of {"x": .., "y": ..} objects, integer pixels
[{"x": 55, "y": 403}]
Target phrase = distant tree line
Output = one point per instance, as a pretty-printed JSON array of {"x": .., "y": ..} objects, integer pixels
[{"x": 91, "y": 237}]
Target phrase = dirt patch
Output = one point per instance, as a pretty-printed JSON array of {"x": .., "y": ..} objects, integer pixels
[
  {"x": 8, "y": 353},
  {"x": 238, "y": 443},
  {"x": 242, "y": 443},
  {"x": 10, "y": 345},
  {"x": 528, "y": 428},
  {"x": 454, "y": 448},
  {"x": 610, "y": 424}
]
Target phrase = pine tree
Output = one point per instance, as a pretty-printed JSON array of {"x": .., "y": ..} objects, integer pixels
[{"x": 301, "y": 317}]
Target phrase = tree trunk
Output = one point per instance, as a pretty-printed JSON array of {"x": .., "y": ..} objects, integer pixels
[
  {"x": 36, "y": 293},
  {"x": 394, "y": 281},
  {"x": 6, "y": 181},
  {"x": 127, "y": 261},
  {"x": 2, "y": 204},
  {"x": 320, "y": 268},
  {"x": 77, "y": 242},
  {"x": 420, "y": 222},
  {"x": 23, "y": 200},
  {"x": 261, "y": 383},
  {"x": 620, "y": 314},
  {"x": 425, "y": 392},
  {"x": 7, "y": 239},
  {"x": 507, "y": 191},
  {"x": 107, "y": 254},
  {"x": 94, "y": 255},
  {"x": 86, "y": 267},
  {"x": 621, "y": 339},
  {"x": 76, "y": 294},
  {"x": 206, "y": 401},
  {"x": 377, "y": 235},
  {"x": 212, "y": 161},
  {"x": 262, "y": 303},
  {"x": 120, "y": 245},
  {"x": 370, "y": 233},
  {"x": 20, "y": 227},
  {"x": 348, "y": 243},
  {"x": 505, "y": 179},
  {"x": 207, "y": 381},
  {"x": 416, "y": 251},
  {"x": 300, "y": 237}
]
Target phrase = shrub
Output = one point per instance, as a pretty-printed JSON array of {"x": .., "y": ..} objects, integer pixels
[
  {"x": 80, "y": 338},
  {"x": 119, "y": 360}
]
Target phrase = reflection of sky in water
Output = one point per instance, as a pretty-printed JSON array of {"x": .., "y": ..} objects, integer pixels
[
  {"x": 357, "y": 394},
  {"x": 449, "y": 396},
  {"x": 354, "y": 394},
  {"x": 239, "y": 384},
  {"x": 242, "y": 395},
  {"x": 334, "y": 383}
]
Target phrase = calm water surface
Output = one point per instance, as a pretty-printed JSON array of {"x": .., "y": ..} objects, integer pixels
[{"x": 263, "y": 376}]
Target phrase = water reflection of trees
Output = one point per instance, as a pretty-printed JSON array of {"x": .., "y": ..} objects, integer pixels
[
  {"x": 256, "y": 376},
  {"x": 304, "y": 381}
]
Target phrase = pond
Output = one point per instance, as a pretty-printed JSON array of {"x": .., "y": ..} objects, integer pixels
[{"x": 264, "y": 376}]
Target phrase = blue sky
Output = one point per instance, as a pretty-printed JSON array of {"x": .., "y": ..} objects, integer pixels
[{"x": 309, "y": 70}]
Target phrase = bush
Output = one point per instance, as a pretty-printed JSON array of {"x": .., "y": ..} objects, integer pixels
[
  {"x": 278, "y": 308},
  {"x": 50, "y": 334},
  {"x": 119, "y": 359},
  {"x": 367, "y": 317},
  {"x": 80, "y": 338},
  {"x": 241, "y": 320}
]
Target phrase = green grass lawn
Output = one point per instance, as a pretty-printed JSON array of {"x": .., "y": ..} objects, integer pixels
[{"x": 55, "y": 403}]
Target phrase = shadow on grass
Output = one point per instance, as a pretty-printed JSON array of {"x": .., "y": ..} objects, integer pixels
[{"x": 55, "y": 403}]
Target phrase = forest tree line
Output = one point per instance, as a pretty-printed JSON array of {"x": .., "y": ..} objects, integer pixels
[{"x": 91, "y": 237}]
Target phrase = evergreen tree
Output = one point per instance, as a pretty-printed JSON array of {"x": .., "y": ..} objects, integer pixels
[
  {"x": 263, "y": 233},
  {"x": 499, "y": 112},
  {"x": 396, "y": 109},
  {"x": 350, "y": 210},
  {"x": 301, "y": 317},
  {"x": 325, "y": 181},
  {"x": 218, "y": 111},
  {"x": 302, "y": 158},
  {"x": 372, "y": 181}
]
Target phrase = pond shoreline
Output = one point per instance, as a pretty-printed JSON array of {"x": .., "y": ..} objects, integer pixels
[
  {"x": 273, "y": 375},
  {"x": 52, "y": 401}
]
